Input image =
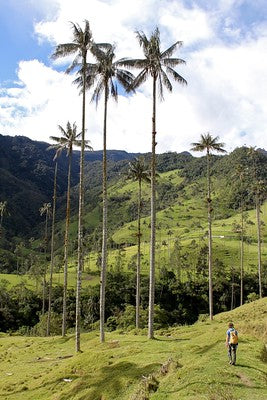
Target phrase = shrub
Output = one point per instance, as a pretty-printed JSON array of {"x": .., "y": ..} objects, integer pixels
[{"x": 55, "y": 325}]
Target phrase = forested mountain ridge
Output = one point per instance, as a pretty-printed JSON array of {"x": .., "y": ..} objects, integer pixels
[
  {"x": 26, "y": 182},
  {"x": 27, "y": 174}
]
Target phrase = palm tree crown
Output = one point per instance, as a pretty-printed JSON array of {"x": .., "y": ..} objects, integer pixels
[
  {"x": 82, "y": 42},
  {"x": 45, "y": 209},
  {"x": 70, "y": 137},
  {"x": 106, "y": 73},
  {"x": 138, "y": 170},
  {"x": 208, "y": 143},
  {"x": 156, "y": 64}
]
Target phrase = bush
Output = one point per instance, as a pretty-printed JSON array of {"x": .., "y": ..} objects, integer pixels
[
  {"x": 252, "y": 297},
  {"x": 55, "y": 325}
]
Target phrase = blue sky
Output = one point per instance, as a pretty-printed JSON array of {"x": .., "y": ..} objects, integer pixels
[
  {"x": 225, "y": 44},
  {"x": 17, "y": 39}
]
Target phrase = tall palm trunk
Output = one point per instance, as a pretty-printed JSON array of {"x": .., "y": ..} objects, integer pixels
[
  {"x": 44, "y": 276},
  {"x": 242, "y": 257},
  {"x": 66, "y": 248},
  {"x": 232, "y": 290},
  {"x": 137, "y": 316},
  {"x": 258, "y": 210},
  {"x": 52, "y": 253},
  {"x": 1, "y": 223},
  {"x": 210, "y": 237},
  {"x": 153, "y": 221},
  {"x": 104, "y": 234},
  {"x": 80, "y": 218}
]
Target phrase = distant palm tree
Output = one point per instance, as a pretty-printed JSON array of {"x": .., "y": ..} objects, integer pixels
[
  {"x": 158, "y": 65},
  {"x": 240, "y": 174},
  {"x": 3, "y": 211},
  {"x": 103, "y": 76},
  {"x": 70, "y": 137},
  {"x": 259, "y": 190},
  {"x": 52, "y": 245},
  {"x": 45, "y": 210},
  {"x": 81, "y": 44},
  {"x": 138, "y": 171},
  {"x": 208, "y": 143}
]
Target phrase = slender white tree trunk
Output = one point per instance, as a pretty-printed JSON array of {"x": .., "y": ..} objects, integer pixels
[
  {"x": 242, "y": 258},
  {"x": 104, "y": 234},
  {"x": 66, "y": 248},
  {"x": 80, "y": 221},
  {"x": 258, "y": 210},
  {"x": 210, "y": 238},
  {"x": 44, "y": 275},
  {"x": 52, "y": 254},
  {"x": 153, "y": 221},
  {"x": 137, "y": 315}
]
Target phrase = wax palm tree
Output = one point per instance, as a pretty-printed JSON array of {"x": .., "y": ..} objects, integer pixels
[
  {"x": 103, "y": 76},
  {"x": 138, "y": 171},
  {"x": 239, "y": 173},
  {"x": 79, "y": 47},
  {"x": 58, "y": 152},
  {"x": 208, "y": 143},
  {"x": 45, "y": 210},
  {"x": 157, "y": 65},
  {"x": 70, "y": 137},
  {"x": 3, "y": 211},
  {"x": 259, "y": 190}
]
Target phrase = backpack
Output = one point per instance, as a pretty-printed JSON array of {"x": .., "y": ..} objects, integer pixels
[{"x": 233, "y": 337}]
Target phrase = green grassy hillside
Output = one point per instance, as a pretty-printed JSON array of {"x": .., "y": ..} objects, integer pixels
[{"x": 182, "y": 363}]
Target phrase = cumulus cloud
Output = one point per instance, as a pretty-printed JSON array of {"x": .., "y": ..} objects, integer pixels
[{"x": 226, "y": 92}]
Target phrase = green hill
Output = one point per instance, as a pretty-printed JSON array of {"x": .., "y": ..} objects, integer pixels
[{"x": 187, "y": 362}]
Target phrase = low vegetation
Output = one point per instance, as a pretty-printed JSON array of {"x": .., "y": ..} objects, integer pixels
[{"x": 187, "y": 362}]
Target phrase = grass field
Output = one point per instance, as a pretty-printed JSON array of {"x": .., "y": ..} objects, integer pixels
[{"x": 188, "y": 362}]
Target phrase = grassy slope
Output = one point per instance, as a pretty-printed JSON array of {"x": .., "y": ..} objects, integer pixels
[
  {"x": 35, "y": 368},
  {"x": 185, "y": 219}
]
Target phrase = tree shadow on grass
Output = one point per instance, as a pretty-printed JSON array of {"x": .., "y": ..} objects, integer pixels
[
  {"x": 206, "y": 348},
  {"x": 250, "y": 367},
  {"x": 170, "y": 339},
  {"x": 111, "y": 380},
  {"x": 221, "y": 384}
]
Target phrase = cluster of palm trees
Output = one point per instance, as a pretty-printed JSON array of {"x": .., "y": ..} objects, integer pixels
[{"x": 106, "y": 76}]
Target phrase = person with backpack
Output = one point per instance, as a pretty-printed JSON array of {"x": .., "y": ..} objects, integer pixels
[{"x": 231, "y": 343}]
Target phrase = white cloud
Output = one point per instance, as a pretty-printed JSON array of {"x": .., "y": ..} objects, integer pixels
[{"x": 226, "y": 92}]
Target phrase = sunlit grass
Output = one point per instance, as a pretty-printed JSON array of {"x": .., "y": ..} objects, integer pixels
[{"x": 195, "y": 359}]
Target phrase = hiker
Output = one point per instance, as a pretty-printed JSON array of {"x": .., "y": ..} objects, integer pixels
[{"x": 231, "y": 343}]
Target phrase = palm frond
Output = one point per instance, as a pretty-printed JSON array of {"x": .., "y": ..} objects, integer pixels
[
  {"x": 125, "y": 78},
  {"x": 169, "y": 52},
  {"x": 141, "y": 78},
  {"x": 74, "y": 64},
  {"x": 172, "y": 62},
  {"x": 160, "y": 87},
  {"x": 113, "y": 89},
  {"x": 177, "y": 77},
  {"x": 142, "y": 39},
  {"x": 87, "y": 145},
  {"x": 133, "y": 63},
  {"x": 99, "y": 89},
  {"x": 76, "y": 30},
  {"x": 64, "y": 50},
  {"x": 166, "y": 80}
]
